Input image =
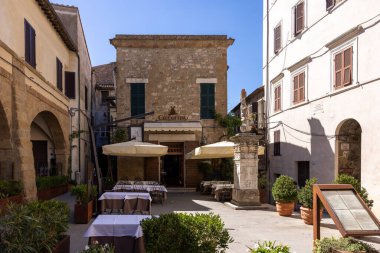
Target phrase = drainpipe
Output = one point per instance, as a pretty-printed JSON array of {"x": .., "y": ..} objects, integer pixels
[
  {"x": 79, "y": 112},
  {"x": 266, "y": 102}
]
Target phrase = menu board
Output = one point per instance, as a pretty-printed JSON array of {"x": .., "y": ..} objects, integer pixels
[{"x": 353, "y": 215}]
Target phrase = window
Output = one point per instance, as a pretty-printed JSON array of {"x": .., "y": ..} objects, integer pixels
[
  {"x": 299, "y": 88},
  {"x": 104, "y": 95},
  {"x": 137, "y": 98},
  {"x": 277, "y": 98},
  {"x": 207, "y": 101},
  {"x": 277, "y": 39},
  {"x": 30, "y": 44},
  {"x": 59, "y": 74},
  {"x": 343, "y": 68},
  {"x": 70, "y": 84},
  {"x": 299, "y": 18},
  {"x": 276, "y": 143},
  {"x": 86, "y": 97}
]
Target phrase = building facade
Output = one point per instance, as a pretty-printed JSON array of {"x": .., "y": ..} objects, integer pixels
[
  {"x": 322, "y": 85},
  {"x": 37, "y": 62},
  {"x": 183, "y": 80},
  {"x": 80, "y": 95},
  {"x": 103, "y": 108}
]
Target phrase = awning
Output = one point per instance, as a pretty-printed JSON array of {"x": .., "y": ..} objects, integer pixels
[
  {"x": 136, "y": 149},
  {"x": 172, "y": 126},
  {"x": 223, "y": 149}
]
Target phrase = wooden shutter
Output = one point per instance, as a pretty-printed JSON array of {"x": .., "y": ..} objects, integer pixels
[
  {"x": 299, "y": 18},
  {"x": 70, "y": 84},
  {"x": 137, "y": 98},
  {"x": 295, "y": 86},
  {"x": 207, "y": 101},
  {"x": 59, "y": 75},
  {"x": 277, "y": 98},
  {"x": 85, "y": 97},
  {"x": 338, "y": 70},
  {"x": 347, "y": 66},
  {"x": 301, "y": 87},
  {"x": 30, "y": 44},
  {"x": 330, "y": 4},
  {"x": 277, "y": 39},
  {"x": 276, "y": 143}
]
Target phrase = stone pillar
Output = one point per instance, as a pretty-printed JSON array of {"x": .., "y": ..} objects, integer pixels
[{"x": 246, "y": 192}]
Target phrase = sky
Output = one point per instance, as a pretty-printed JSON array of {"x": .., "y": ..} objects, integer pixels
[{"x": 238, "y": 19}]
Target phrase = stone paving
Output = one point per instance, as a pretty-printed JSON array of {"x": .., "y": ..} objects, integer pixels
[{"x": 246, "y": 227}]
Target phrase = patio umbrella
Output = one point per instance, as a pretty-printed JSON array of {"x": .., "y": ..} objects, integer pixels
[
  {"x": 223, "y": 149},
  {"x": 136, "y": 149}
]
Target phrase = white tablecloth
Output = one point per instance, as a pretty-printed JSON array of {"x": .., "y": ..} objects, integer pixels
[
  {"x": 147, "y": 188},
  {"x": 116, "y": 225},
  {"x": 125, "y": 195}
]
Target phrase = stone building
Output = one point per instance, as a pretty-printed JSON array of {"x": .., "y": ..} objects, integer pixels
[
  {"x": 38, "y": 66},
  {"x": 183, "y": 80},
  {"x": 322, "y": 90},
  {"x": 103, "y": 107},
  {"x": 80, "y": 99}
]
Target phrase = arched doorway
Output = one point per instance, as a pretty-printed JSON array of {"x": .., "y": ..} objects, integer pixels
[
  {"x": 48, "y": 145},
  {"x": 6, "y": 149},
  {"x": 348, "y": 148}
]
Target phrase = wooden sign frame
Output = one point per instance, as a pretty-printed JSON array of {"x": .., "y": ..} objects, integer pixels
[{"x": 319, "y": 198}]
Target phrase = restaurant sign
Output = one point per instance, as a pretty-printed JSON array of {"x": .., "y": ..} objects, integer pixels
[{"x": 173, "y": 115}]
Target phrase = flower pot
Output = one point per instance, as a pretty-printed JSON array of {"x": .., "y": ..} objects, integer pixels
[
  {"x": 343, "y": 251},
  {"x": 307, "y": 215},
  {"x": 285, "y": 208},
  {"x": 83, "y": 212},
  {"x": 63, "y": 246}
]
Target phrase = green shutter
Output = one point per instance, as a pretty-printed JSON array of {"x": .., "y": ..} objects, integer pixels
[
  {"x": 207, "y": 101},
  {"x": 137, "y": 98}
]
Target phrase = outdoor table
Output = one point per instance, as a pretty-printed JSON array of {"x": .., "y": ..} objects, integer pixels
[
  {"x": 221, "y": 190},
  {"x": 132, "y": 182},
  {"x": 218, "y": 187},
  {"x": 122, "y": 231},
  {"x": 126, "y": 202},
  {"x": 139, "y": 188},
  {"x": 205, "y": 186}
]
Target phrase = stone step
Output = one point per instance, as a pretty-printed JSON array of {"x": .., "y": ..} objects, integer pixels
[{"x": 181, "y": 189}]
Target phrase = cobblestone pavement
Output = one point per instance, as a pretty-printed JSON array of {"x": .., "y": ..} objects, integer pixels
[{"x": 246, "y": 227}]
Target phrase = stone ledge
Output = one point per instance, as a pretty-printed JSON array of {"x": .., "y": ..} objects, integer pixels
[{"x": 236, "y": 207}]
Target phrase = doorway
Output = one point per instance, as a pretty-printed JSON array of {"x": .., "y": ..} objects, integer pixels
[
  {"x": 40, "y": 158},
  {"x": 172, "y": 165},
  {"x": 303, "y": 172}
]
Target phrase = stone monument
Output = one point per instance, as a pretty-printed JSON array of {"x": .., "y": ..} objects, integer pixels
[{"x": 246, "y": 192}]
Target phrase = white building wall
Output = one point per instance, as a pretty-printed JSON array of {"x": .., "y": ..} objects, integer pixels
[{"x": 325, "y": 108}]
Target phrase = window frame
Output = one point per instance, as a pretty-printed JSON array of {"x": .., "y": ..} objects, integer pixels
[
  {"x": 277, "y": 143},
  {"x": 30, "y": 44},
  {"x": 354, "y": 62},
  {"x": 68, "y": 85},
  {"x": 210, "y": 107},
  {"x": 103, "y": 100},
  {"x": 277, "y": 106},
  {"x": 59, "y": 76},
  {"x": 295, "y": 31},
  {"x": 299, "y": 71},
  {"x": 137, "y": 109}
]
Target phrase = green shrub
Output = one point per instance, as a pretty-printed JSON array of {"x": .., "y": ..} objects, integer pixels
[
  {"x": 185, "y": 233},
  {"x": 34, "y": 227},
  {"x": 82, "y": 195},
  {"x": 347, "y": 179},
  {"x": 10, "y": 188},
  {"x": 108, "y": 183},
  {"x": 305, "y": 195},
  {"x": 269, "y": 247},
  {"x": 206, "y": 170},
  {"x": 51, "y": 181},
  {"x": 262, "y": 181},
  {"x": 326, "y": 245},
  {"x": 284, "y": 189}
]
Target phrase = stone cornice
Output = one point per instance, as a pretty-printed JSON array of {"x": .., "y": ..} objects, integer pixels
[
  {"x": 171, "y": 41},
  {"x": 300, "y": 63},
  {"x": 345, "y": 37},
  {"x": 277, "y": 78}
]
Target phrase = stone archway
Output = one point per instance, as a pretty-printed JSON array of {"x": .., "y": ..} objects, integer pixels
[
  {"x": 348, "y": 148},
  {"x": 6, "y": 149},
  {"x": 48, "y": 144}
]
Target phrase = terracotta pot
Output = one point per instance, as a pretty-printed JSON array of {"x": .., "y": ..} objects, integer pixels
[
  {"x": 63, "y": 245},
  {"x": 307, "y": 215},
  {"x": 285, "y": 208},
  {"x": 343, "y": 251},
  {"x": 83, "y": 212}
]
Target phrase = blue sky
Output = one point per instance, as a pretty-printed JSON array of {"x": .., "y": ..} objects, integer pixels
[{"x": 239, "y": 19}]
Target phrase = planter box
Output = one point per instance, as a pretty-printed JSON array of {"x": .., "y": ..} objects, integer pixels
[
  {"x": 18, "y": 199},
  {"x": 63, "y": 245},
  {"x": 50, "y": 193},
  {"x": 263, "y": 196},
  {"x": 342, "y": 251},
  {"x": 83, "y": 212}
]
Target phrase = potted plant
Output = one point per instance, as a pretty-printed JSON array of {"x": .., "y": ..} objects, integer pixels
[
  {"x": 284, "y": 192},
  {"x": 51, "y": 186},
  {"x": 83, "y": 202},
  {"x": 342, "y": 245},
  {"x": 269, "y": 247},
  {"x": 98, "y": 248},
  {"x": 35, "y": 227},
  {"x": 305, "y": 198}
]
